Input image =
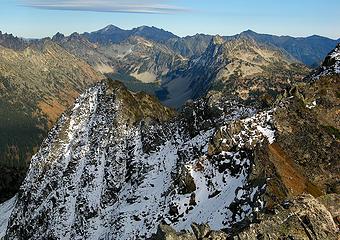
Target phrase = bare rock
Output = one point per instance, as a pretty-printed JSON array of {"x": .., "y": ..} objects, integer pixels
[
  {"x": 165, "y": 232},
  {"x": 304, "y": 218}
]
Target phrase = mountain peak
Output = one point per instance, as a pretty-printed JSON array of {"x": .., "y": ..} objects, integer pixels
[
  {"x": 217, "y": 40},
  {"x": 75, "y": 35},
  {"x": 58, "y": 36},
  {"x": 153, "y": 33},
  {"x": 248, "y": 31},
  {"x": 314, "y": 36},
  {"x": 114, "y": 34},
  {"x": 127, "y": 171},
  {"x": 109, "y": 28},
  {"x": 13, "y": 42},
  {"x": 331, "y": 64}
]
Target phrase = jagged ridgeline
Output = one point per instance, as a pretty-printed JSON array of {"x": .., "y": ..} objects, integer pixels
[{"x": 177, "y": 69}]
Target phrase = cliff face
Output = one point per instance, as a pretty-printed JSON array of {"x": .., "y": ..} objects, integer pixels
[{"x": 307, "y": 123}]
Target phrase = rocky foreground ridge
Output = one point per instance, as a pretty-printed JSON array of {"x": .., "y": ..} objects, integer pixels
[
  {"x": 102, "y": 173},
  {"x": 302, "y": 217},
  {"x": 119, "y": 164}
]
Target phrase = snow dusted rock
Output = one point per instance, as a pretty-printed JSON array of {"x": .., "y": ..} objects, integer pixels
[
  {"x": 331, "y": 64},
  {"x": 200, "y": 231},
  {"x": 165, "y": 232},
  {"x": 301, "y": 217},
  {"x": 110, "y": 169},
  {"x": 6, "y": 209},
  {"x": 244, "y": 133}
]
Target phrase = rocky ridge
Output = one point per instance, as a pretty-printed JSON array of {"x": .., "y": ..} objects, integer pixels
[
  {"x": 102, "y": 169},
  {"x": 302, "y": 217},
  {"x": 307, "y": 50},
  {"x": 331, "y": 65}
]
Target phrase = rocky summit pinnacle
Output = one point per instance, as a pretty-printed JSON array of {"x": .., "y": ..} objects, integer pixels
[
  {"x": 58, "y": 36},
  {"x": 109, "y": 28}
]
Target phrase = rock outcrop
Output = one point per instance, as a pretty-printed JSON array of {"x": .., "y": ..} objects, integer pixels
[{"x": 302, "y": 217}]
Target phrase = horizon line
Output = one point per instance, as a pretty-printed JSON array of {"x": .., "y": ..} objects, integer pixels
[{"x": 177, "y": 35}]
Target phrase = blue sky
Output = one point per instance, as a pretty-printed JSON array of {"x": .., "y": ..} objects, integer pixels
[{"x": 41, "y": 18}]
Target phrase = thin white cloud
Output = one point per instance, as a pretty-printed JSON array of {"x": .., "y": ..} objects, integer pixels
[{"x": 127, "y": 6}]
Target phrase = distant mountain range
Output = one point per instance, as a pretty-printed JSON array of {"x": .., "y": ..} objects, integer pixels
[
  {"x": 148, "y": 58},
  {"x": 309, "y": 50},
  {"x": 113, "y": 34},
  {"x": 141, "y": 58}
]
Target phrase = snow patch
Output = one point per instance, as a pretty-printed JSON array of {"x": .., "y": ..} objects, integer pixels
[
  {"x": 312, "y": 105},
  {"x": 6, "y": 209}
]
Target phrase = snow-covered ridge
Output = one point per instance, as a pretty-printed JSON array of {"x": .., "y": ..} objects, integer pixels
[{"x": 96, "y": 177}]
